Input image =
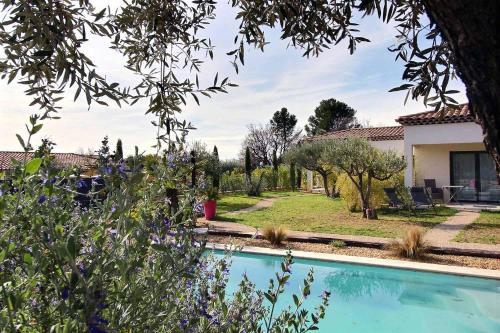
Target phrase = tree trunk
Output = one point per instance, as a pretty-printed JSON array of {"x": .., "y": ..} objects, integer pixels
[
  {"x": 325, "y": 184},
  {"x": 362, "y": 197},
  {"x": 471, "y": 29},
  {"x": 369, "y": 212}
]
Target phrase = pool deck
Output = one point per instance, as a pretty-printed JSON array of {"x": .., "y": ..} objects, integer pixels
[{"x": 389, "y": 263}]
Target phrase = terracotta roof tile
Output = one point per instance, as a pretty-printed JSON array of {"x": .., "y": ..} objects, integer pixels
[
  {"x": 62, "y": 159},
  {"x": 444, "y": 116},
  {"x": 369, "y": 133}
]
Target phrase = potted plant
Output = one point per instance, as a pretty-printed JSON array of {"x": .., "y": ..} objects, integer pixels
[{"x": 210, "y": 205}]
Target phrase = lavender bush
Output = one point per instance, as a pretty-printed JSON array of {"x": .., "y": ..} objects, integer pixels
[{"x": 124, "y": 263}]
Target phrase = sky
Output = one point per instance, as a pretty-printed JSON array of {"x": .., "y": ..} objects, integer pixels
[{"x": 278, "y": 77}]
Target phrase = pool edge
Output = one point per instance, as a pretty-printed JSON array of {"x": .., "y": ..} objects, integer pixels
[{"x": 389, "y": 263}]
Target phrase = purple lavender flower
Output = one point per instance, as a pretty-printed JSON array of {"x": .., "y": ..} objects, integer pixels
[
  {"x": 198, "y": 207},
  {"x": 65, "y": 293},
  {"x": 80, "y": 185},
  {"x": 171, "y": 160},
  {"x": 113, "y": 232},
  {"x": 42, "y": 198},
  {"x": 107, "y": 170},
  {"x": 82, "y": 269}
]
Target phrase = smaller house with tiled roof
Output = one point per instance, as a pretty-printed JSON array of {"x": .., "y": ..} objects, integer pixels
[
  {"x": 445, "y": 146},
  {"x": 385, "y": 138},
  {"x": 85, "y": 162}
]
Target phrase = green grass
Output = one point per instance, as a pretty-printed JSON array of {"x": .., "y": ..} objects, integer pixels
[
  {"x": 234, "y": 202},
  {"x": 485, "y": 230},
  {"x": 317, "y": 213}
]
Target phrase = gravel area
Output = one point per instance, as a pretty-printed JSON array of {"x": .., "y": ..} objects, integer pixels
[{"x": 488, "y": 263}]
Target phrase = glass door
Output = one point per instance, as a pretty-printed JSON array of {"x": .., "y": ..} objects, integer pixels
[
  {"x": 488, "y": 183},
  {"x": 475, "y": 171},
  {"x": 463, "y": 173}
]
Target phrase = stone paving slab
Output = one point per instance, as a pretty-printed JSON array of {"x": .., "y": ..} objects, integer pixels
[{"x": 446, "y": 231}]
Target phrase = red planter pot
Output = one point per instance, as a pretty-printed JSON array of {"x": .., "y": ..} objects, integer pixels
[{"x": 210, "y": 208}]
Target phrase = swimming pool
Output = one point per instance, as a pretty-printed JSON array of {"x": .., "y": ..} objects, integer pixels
[{"x": 376, "y": 299}]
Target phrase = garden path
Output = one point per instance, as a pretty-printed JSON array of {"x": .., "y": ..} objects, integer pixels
[
  {"x": 445, "y": 232},
  {"x": 268, "y": 202}
]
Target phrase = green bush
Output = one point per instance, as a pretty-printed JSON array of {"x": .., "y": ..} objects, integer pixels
[
  {"x": 283, "y": 177},
  {"x": 348, "y": 192},
  {"x": 232, "y": 181}
]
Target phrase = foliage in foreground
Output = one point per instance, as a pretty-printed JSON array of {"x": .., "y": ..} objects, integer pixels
[{"x": 126, "y": 262}]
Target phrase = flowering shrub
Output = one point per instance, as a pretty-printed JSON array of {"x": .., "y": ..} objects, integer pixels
[
  {"x": 349, "y": 193},
  {"x": 125, "y": 263}
]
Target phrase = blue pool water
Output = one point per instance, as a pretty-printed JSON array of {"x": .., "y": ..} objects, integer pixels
[{"x": 375, "y": 299}]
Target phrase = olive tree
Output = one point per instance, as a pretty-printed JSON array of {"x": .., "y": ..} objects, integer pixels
[
  {"x": 436, "y": 39},
  {"x": 310, "y": 155},
  {"x": 362, "y": 163}
]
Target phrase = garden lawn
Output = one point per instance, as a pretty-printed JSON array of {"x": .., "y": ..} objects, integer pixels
[
  {"x": 486, "y": 230},
  {"x": 317, "y": 213},
  {"x": 233, "y": 202}
]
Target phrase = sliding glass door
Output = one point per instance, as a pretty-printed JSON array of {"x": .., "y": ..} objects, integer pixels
[
  {"x": 475, "y": 171},
  {"x": 488, "y": 186}
]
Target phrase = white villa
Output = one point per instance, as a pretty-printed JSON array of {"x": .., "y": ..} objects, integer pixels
[{"x": 446, "y": 146}]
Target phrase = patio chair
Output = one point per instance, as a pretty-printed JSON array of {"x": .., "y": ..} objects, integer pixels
[
  {"x": 394, "y": 200},
  {"x": 434, "y": 192},
  {"x": 420, "y": 198}
]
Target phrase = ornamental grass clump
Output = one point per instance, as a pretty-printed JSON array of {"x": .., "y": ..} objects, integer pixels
[
  {"x": 337, "y": 244},
  {"x": 274, "y": 235},
  {"x": 412, "y": 245}
]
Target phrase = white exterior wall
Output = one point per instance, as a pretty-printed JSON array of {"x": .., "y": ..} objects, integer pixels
[
  {"x": 433, "y": 161},
  {"x": 427, "y": 149}
]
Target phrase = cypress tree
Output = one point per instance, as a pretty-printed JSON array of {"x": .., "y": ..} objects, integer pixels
[
  {"x": 216, "y": 171},
  {"x": 119, "y": 150},
  {"x": 299, "y": 178},
  {"x": 248, "y": 164},
  {"x": 292, "y": 176},
  {"x": 275, "y": 161},
  {"x": 275, "y": 170}
]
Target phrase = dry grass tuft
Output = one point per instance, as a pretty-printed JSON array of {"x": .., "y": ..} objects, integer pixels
[
  {"x": 274, "y": 235},
  {"x": 411, "y": 246}
]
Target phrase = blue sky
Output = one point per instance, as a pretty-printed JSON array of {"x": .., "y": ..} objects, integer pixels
[{"x": 279, "y": 77}]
